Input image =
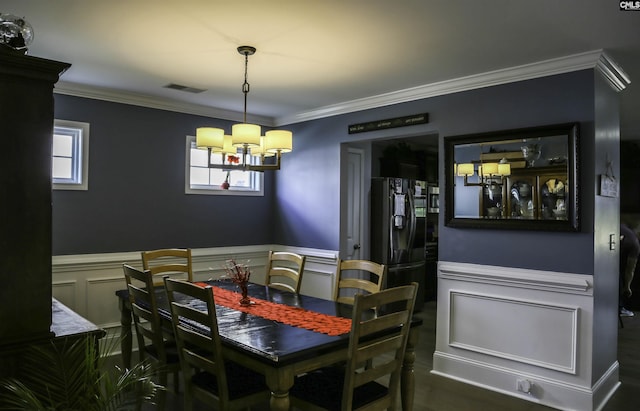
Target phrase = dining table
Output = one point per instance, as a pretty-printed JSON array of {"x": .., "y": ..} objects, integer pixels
[{"x": 273, "y": 346}]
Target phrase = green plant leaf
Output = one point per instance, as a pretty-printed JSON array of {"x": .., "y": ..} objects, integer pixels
[{"x": 73, "y": 375}]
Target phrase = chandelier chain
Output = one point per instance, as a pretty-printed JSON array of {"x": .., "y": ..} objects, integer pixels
[{"x": 245, "y": 85}]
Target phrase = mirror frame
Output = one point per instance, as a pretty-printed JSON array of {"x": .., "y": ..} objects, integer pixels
[{"x": 572, "y": 223}]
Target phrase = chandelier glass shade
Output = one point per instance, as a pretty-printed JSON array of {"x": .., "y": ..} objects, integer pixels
[
  {"x": 245, "y": 139},
  {"x": 261, "y": 150},
  {"x": 486, "y": 172},
  {"x": 244, "y": 133},
  {"x": 209, "y": 137},
  {"x": 227, "y": 147}
]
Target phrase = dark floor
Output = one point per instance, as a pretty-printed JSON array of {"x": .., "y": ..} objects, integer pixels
[{"x": 434, "y": 393}]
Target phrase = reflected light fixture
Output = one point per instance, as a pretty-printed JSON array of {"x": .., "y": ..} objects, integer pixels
[
  {"x": 486, "y": 172},
  {"x": 246, "y": 137}
]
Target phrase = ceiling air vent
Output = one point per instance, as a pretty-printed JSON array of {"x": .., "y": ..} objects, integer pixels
[{"x": 186, "y": 89}]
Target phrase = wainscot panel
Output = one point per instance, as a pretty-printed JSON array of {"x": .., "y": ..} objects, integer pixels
[
  {"x": 490, "y": 315},
  {"x": 525, "y": 333}
]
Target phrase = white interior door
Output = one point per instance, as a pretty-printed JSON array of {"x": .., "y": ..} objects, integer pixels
[{"x": 355, "y": 204}]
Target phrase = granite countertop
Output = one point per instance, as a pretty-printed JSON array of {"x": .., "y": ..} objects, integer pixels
[{"x": 66, "y": 322}]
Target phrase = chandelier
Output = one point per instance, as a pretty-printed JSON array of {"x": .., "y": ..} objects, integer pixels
[
  {"x": 491, "y": 177},
  {"x": 245, "y": 139},
  {"x": 487, "y": 172}
]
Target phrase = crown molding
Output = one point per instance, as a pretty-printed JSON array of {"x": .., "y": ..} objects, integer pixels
[
  {"x": 142, "y": 100},
  {"x": 588, "y": 60},
  {"x": 618, "y": 79},
  {"x": 596, "y": 59}
]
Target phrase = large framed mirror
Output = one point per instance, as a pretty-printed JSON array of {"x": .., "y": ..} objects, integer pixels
[{"x": 514, "y": 179}]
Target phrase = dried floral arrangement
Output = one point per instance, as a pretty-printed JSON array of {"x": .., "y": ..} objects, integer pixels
[
  {"x": 236, "y": 272},
  {"x": 240, "y": 275}
]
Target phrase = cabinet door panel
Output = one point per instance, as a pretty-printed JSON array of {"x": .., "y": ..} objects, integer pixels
[
  {"x": 553, "y": 196},
  {"x": 523, "y": 197}
]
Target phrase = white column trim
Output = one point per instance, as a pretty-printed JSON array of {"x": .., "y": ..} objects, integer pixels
[{"x": 516, "y": 277}]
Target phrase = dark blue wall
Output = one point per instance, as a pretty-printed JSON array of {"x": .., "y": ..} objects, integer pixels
[
  {"x": 136, "y": 198},
  {"x": 136, "y": 194},
  {"x": 310, "y": 180}
]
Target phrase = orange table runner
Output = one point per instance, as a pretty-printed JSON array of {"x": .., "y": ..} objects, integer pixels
[{"x": 286, "y": 314}]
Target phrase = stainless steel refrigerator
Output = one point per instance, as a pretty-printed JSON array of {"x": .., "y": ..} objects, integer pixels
[{"x": 398, "y": 231}]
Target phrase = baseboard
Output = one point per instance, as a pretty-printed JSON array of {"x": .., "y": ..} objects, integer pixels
[{"x": 549, "y": 392}]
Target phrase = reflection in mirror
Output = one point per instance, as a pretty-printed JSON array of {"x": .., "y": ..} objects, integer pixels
[{"x": 513, "y": 179}]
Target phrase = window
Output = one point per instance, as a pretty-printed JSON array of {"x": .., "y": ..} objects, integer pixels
[
  {"x": 200, "y": 179},
  {"x": 70, "y": 163}
]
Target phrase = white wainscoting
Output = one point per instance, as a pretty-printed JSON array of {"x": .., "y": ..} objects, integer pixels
[
  {"x": 521, "y": 332},
  {"x": 526, "y": 344},
  {"x": 87, "y": 283}
]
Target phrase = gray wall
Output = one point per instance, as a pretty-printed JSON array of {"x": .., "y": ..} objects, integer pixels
[
  {"x": 136, "y": 197},
  {"x": 312, "y": 176},
  {"x": 605, "y": 215}
]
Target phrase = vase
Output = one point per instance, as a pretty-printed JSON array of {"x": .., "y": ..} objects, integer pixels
[
  {"x": 245, "y": 297},
  {"x": 531, "y": 152}
]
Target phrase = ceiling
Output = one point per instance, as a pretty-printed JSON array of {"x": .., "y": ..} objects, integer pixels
[{"x": 315, "y": 57}]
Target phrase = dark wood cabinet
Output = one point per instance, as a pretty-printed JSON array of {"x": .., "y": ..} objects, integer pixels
[
  {"x": 431, "y": 167},
  {"x": 538, "y": 193},
  {"x": 400, "y": 160},
  {"x": 26, "y": 126}
]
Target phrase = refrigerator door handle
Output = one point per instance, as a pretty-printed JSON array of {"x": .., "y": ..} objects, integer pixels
[
  {"x": 412, "y": 220},
  {"x": 399, "y": 210},
  {"x": 390, "y": 246}
]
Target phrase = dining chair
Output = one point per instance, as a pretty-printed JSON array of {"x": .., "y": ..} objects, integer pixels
[
  {"x": 155, "y": 342},
  {"x": 350, "y": 281},
  {"x": 208, "y": 377},
  {"x": 168, "y": 261},
  {"x": 379, "y": 339},
  {"x": 284, "y": 270}
]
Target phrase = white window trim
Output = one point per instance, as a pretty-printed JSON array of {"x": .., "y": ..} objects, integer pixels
[
  {"x": 215, "y": 190},
  {"x": 84, "y": 144}
]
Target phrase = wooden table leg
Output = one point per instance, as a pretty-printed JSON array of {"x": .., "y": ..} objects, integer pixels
[
  {"x": 407, "y": 379},
  {"x": 125, "y": 332},
  {"x": 279, "y": 382}
]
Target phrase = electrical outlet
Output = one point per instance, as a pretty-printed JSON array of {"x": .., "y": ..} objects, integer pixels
[{"x": 524, "y": 385}]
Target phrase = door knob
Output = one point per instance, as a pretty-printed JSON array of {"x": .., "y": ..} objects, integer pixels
[{"x": 356, "y": 246}]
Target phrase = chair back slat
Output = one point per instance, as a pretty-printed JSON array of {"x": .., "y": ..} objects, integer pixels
[
  {"x": 284, "y": 270},
  {"x": 388, "y": 321},
  {"x": 176, "y": 262},
  {"x": 358, "y": 277},
  {"x": 370, "y": 350},
  {"x": 373, "y": 373}
]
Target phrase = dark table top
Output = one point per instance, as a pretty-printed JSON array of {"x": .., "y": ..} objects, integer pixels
[{"x": 270, "y": 341}]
